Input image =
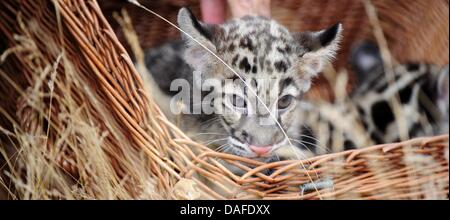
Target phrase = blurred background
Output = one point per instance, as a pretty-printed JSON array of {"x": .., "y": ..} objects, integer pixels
[{"x": 416, "y": 30}]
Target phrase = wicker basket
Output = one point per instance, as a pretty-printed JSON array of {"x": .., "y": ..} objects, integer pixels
[{"x": 181, "y": 168}]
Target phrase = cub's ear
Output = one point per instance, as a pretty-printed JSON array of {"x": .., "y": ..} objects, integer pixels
[
  {"x": 196, "y": 34},
  {"x": 318, "y": 48}
]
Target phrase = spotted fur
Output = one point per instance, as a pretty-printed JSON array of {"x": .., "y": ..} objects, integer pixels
[{"x": 367, "y": 117}]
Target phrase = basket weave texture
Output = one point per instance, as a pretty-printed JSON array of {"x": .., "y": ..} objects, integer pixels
[{"x": 415, "y": 169}]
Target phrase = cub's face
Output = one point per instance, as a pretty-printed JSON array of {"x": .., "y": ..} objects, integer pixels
[{"x": 258, "y": 74}]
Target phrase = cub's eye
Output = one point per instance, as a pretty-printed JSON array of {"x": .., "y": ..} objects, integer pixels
[
  {"x": 238, "y": 101},
  {"x": 284, "y": 102}
]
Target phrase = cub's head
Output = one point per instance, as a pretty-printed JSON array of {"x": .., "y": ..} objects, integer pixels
[{"x": 264, "y": 72}]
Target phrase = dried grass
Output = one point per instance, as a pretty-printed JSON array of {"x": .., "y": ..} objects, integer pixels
[{"x": 40, "y": 172}]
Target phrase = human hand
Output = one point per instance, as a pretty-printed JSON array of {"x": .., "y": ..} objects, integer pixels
[{"x": 214, "y": 11}]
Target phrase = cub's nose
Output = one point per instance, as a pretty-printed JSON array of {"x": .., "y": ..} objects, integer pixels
[{"x": 260, "y": 151}]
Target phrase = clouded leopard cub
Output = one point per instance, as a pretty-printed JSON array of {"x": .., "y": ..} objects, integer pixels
[{"x": 257, "y": 117}]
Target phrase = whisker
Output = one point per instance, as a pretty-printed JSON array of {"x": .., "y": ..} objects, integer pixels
[
  {"x": 210, "y": 121},
  {"x": 304, "y": 145},
  {"x": 278, "y": 157},
  {"x": 314, "y": 145},
  {"x": 307, "y": 136},
  {"x": 214, "y": 140},
  {"x": 198, "y": 134},
  {"x": 223, "y": 147},
  {"x": 307, "y": 142}
]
